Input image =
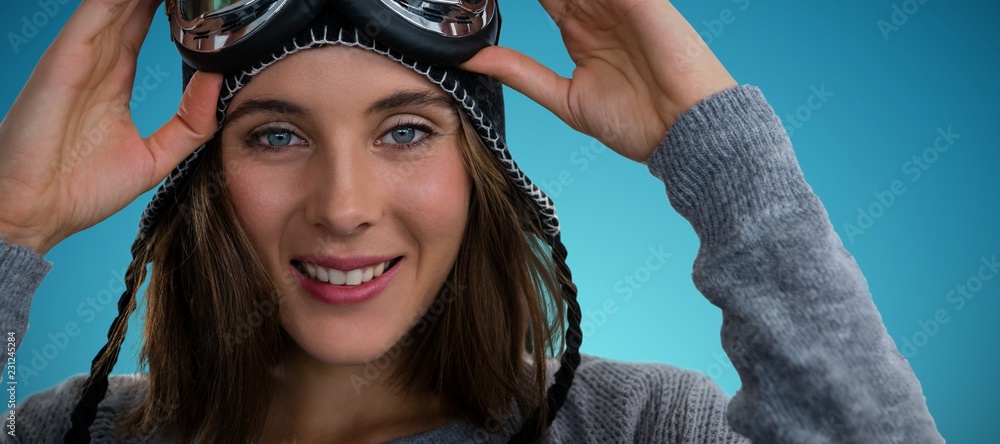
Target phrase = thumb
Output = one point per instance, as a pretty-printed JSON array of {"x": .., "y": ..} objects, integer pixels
[
  {"x": 193, "y": 125},
  {"x": 525, "y": 75}
]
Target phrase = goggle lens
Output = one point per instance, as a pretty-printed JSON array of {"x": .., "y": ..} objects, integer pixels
[{"x": 192, "y": 9}]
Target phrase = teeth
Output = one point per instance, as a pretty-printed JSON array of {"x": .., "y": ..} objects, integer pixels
[
  {"x": 337, "y": 277},
  {"x": 354, "y": 277}
]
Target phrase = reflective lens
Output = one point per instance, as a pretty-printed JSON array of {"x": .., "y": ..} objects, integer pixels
[
  {"x": 449, "y": 18},
  {"x": 194, "y": 8}
]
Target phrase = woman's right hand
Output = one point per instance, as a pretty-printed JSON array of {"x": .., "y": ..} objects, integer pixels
[{"x": 70, "y": 155}]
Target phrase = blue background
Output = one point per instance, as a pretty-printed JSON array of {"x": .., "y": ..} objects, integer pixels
[{"x": 891, "y": 94}]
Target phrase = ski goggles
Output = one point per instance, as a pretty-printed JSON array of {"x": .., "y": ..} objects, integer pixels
[{"x": 230, "y": 35}]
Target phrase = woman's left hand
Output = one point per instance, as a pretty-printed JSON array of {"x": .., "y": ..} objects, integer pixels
[{"x": 639, "y": 65}]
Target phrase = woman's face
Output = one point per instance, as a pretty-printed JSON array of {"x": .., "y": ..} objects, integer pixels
[{"x": 346, "y": 170}]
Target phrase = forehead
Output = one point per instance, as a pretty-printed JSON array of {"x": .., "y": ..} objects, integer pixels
[{"x": 336, "y": 73}]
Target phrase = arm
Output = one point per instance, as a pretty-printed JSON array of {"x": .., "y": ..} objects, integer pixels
[
  {"x": 21, "y": 272},
  {"x": 798, "y": 323}
]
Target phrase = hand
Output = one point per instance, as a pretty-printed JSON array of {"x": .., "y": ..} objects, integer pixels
[
  {"x": 639, "y": 65},
  {"x": 70, "y": 155}
]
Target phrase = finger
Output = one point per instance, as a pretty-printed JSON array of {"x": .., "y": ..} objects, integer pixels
[
  {"x": 193, "y": 125},
  {"x": 525, "y": 75},
  {"x": 138, "y": 24},
  {"x": 92, "y": 17}
]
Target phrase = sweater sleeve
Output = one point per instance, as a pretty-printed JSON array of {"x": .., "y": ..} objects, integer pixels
[
  {"x": 815, "y": 360},
  {"x": 21, "y": 272}
]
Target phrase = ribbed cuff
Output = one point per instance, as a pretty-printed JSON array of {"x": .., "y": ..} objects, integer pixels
[
  {"x": 21, "y": 272},
  {"x": 728, "y": 160}
]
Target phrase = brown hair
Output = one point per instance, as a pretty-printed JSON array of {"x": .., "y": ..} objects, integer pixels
[{"x": 212, "y": 334}]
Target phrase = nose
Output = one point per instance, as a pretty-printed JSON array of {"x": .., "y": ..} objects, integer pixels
[{"x": 344, "y": 198}]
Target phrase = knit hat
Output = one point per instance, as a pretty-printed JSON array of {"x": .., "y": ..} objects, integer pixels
[{"x": 480, "y": 97}]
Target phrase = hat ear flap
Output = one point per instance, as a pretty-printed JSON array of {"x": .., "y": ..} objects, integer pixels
[
  {"x": 96, "y": 386},
  {"x": 570, "y": 360}
]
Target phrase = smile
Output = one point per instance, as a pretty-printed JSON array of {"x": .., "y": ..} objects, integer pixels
[
  {"x": 348, "y": 278},
  {"x": 365, "y": 278}
]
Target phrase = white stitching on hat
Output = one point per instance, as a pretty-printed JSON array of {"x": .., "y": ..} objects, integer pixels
[{"x": 545, "y": 205}]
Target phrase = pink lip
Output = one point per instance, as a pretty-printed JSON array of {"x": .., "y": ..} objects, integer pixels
[{"x": 340, "y": 295}]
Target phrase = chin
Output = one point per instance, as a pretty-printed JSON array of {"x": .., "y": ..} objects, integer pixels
[
  {"x": 345, "y": 354},
  {"x": 375, "y": 331},
  {"x": 345, "y": 343}
]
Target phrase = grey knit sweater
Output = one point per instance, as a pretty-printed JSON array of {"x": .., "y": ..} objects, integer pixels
[{"x": 815, "y": 360}]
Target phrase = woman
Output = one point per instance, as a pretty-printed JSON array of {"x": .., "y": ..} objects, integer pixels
[{"x": 342, "y": 263}]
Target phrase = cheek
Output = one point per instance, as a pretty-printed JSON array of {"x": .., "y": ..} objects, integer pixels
[
  {"x": 260, "y": 197},
  {"x": 435, "y": 200}
]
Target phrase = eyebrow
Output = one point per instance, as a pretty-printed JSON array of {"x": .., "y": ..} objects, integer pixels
[
  {"x": 274, "y": 106},
  {"x": 395, "y": 101},
  {"x": 411, "y": 99}
]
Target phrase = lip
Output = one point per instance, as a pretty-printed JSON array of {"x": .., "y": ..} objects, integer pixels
[{"x": 341, "y": 295}]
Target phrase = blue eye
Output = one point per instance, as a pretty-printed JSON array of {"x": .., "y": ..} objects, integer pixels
[
  {"x": 406, "y": 135},
  {"x": 273, "y": 138},
  {"x": 403, "y": 135},
  {"x": 279, "y": 139}
]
